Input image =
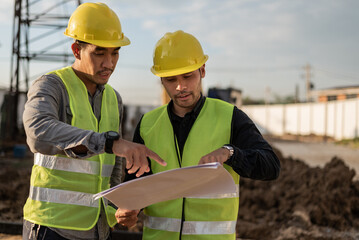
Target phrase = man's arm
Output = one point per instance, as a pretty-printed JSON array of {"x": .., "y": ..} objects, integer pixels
[
  {"x": 46, "y": 124},
  {"x": 253, "y": 156}
]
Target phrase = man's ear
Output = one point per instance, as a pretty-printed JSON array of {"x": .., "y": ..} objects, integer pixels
[
  {"x": 202, "y": 70},
  {"x": 76, "y": 50}
]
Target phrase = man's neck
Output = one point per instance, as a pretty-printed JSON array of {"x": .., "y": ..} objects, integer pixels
[
  {"x": 182, "y": 111},
  {"x": 90, "y": 86}
]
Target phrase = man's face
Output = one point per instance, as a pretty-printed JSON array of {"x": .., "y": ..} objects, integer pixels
[
  {"x": 185, "y": 89},
  {"x": 96, "y": 64}
]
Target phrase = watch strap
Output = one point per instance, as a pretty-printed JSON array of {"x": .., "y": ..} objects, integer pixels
[{"x": 110, "y": 136}]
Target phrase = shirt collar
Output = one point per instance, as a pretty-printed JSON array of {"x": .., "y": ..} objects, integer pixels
[
  {"x": 100, "y": 87},
  {"x": 99, "y": 90}
]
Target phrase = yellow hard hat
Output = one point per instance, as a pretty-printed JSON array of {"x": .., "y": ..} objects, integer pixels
[
  {"x": 177, "y": 53},
  {"x": 97, "y": 24}
]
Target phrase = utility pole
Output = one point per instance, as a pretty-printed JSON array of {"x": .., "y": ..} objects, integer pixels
[
  {"x": 267, "y": 95},
  {"x": 296, "y": 95},
  {"x": 308, "y": 82}
]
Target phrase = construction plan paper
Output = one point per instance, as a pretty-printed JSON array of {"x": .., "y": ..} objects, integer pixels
[{"x": 196, "y": 181}]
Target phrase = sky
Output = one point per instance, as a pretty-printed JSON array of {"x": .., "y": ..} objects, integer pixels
[{"x": 257, "y": 46}]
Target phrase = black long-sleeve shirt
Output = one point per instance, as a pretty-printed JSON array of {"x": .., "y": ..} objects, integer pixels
[{"x": 253, "y": 156}]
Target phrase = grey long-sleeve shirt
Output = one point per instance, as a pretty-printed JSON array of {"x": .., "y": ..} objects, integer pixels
[{"x": 47, "y": 122}]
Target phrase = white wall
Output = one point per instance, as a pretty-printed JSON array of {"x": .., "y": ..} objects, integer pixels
[{"x": 337, "y": 119}]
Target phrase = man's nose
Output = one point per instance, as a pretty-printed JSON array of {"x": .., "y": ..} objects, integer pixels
[
  {"x": 180, "y": 85},
  {"x": 108, "y": 61}
]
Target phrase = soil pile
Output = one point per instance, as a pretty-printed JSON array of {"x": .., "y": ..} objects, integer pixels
[
  {"x": 303, "y": 203},
  {"x": 14, "y": 189}
]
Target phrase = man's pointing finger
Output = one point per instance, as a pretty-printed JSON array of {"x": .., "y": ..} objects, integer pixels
[{"x": 155, "y": 157}]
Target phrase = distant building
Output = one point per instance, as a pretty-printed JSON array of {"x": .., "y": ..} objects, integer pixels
[
  {"x": 337, "y": 93},
  {"x": 231, "y": 95}
]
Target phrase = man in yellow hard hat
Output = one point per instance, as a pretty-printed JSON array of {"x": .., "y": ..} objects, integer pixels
[
  {"x": 191, "y": 130},
  {"x": 72, "y": 121}
]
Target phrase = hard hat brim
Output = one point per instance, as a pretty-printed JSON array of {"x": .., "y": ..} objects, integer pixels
[
  {"x": 102, "y": 43},
  {"x": 178, "y": 71}
]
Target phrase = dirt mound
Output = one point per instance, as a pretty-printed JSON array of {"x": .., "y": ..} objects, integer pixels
[
  {"x": 14, "y": 188},
  {"x": 303, "y": 203}
]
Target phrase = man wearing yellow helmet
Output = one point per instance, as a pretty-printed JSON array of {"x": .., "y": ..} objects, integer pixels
[
  {"x": 191, "y": 130},
  {"x": 72, "y": 121}
]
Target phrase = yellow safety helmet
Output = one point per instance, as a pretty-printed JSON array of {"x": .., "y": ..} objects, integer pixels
[
  {"x": 97, "y": 24},
  {"x": 177, "y": 53}
]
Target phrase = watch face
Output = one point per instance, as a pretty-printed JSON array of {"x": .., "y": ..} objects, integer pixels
[
  {"x": 228, "y": 147},
  {"x": 112, "y": 134}
]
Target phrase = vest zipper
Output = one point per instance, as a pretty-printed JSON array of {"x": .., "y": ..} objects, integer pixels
[
  {"x": 179, "y": 159},
  {"x": 183, "y": 217}
]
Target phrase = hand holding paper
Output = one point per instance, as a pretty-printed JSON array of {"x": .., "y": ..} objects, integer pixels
[{"x": 126, "y": 218}]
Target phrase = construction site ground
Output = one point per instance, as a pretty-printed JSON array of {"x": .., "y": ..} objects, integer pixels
[{"x": 315, "y": 197}]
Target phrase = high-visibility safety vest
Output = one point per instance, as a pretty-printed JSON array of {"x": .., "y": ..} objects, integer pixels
[
  {"x": 62, "y": 188},
  {"x": 205, "y": 217}
]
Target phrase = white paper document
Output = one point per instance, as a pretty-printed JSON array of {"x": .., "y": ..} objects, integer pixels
[{"x": 197, "y": 181}]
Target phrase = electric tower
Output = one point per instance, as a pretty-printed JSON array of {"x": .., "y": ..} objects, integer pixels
[{"x": 37, "y": 26}]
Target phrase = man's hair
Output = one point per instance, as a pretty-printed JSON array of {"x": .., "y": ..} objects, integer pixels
[{"x": 81, "y": 43}]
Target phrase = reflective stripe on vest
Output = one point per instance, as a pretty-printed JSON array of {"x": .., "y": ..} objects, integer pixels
[
  {"x": 191, "y": 227},
  {"x": 63, "y": 196},
  {"x": 72, "y": 165},
  {"x": 218, "y": 196}
]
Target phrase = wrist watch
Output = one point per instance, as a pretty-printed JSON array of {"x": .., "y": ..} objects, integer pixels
[
  {"x": 110, "y": 136},
  {"x": 230, "y": 149}
]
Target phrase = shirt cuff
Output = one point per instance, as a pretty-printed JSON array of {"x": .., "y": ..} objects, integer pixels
[{"x": 95, "y": 145}]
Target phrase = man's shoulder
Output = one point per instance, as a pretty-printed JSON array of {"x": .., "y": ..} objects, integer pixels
[
  {"x": 155, "y": 114},
  {"x": 218, "y": 101},
  {"x": 218, "y": 105},
  {"x": 157, "y": 110},
  {"x": 48, "y": 80}
]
